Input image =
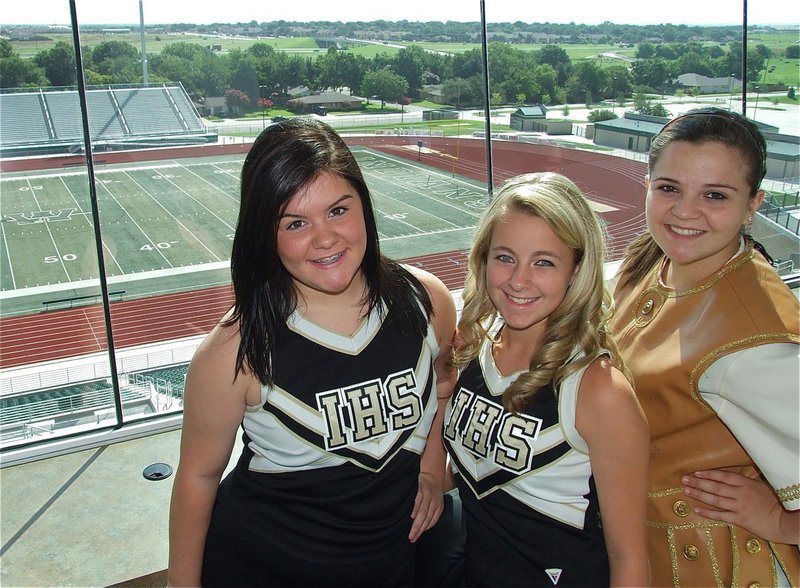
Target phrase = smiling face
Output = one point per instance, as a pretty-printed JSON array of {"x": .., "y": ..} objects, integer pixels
[
  {"x": 698, "y": 198},
  {"x": 528, "y": 271},
  {"x": 322, "y": 239}
]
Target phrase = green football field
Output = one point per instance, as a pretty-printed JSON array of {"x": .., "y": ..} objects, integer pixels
[{"x": 176, "y": 218}]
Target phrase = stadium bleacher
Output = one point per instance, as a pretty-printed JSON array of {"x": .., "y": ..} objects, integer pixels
[
  {"x": 65, "y": 405},
  {"x": 48, "y": 121},
  {"x": 22, "y": 119}
]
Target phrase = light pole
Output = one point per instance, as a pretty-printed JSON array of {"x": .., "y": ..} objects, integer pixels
[{"x": 758, "y": 88}]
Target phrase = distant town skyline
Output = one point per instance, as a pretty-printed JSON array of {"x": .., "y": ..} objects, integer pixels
[{"x": 688, "y": 12}]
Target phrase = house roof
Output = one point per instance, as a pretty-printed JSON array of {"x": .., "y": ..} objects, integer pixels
[
  {"x": 784, "y": 149},
  {"x": 632, "y": 126},
  {"x": 214, "y": 101},
  {"x": 327, "y": 98},
  {"x": 536, "y": 111},
  {"x": 695, "y": 79},
  {"x": 648, "y": 126}
]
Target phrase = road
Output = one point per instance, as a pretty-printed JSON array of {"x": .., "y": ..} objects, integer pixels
[{"x": 786, "y": 117}]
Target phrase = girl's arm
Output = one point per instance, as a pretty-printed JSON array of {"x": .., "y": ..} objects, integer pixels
[
  {"x": 429, "y": 502},
  {"x": 611, "y": 421},
  {"x": 214, "y": 405}
]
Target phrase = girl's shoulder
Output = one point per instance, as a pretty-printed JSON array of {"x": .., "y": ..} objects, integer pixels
[
  {"x": 607, "y": 402},
  {"x": 606, "y": 386}
]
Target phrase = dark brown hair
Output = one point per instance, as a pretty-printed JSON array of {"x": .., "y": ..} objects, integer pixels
[{"x": 286, "y": 158}]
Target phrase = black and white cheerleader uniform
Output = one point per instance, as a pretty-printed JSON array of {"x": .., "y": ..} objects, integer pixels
[
  {"x": 323, "y": 492},
  {"x": 526, "y": 485}
]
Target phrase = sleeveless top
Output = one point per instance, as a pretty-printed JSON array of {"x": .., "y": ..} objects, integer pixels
[
  {"x": 525, "y": 482},
  {"x": 325, "y": 486}
]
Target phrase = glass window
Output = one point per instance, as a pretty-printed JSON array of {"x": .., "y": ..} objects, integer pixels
[{"x": 114, "y": 267}]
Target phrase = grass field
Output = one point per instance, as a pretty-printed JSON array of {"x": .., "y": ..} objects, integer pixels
[
  {"x": 177, "y": 218},
  {"x": 786, "y": 70}
]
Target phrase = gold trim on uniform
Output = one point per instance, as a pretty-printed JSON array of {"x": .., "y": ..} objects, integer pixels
[
  {"x": 693, "y": 555},
  {"x": 779, "y": 558},
  {"x": 652, "y": 298},
  {"x": 665, "y": 492},
  {"x": 788, "y": 493},
  {"x": 745, "y": 343}
]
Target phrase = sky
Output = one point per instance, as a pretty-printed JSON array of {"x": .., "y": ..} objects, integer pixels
[{"x": 638, "y": 12}]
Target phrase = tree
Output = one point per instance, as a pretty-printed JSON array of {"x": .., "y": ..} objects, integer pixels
[
  {"x": 586, "y": 82},
  {"x": 116, "y": 62},
  {"x": 109, "y": 52},
  {"x": 352, "y": 70},
  {"x": 243, "y": 73},
  {"x": 6, "y": 50},
  {"x": 236, "y": 101},
  {"x": 619, "y": 81},
  {"x": 659, "y": 110},
  {"x": 650, "y": 73},
  {"x": 331, "y": 69},
  {"x": 558, "y": 60},
  {"x": 16, "y": 72},
  {"x": 643, "y": 104},
  {"x": 58, "y": 64},
  {"x": 200, "y": 71},
  {"x": 731, "y": 63},
  {"x": 410, "y": 63},
  {"x": 506, "y": 62},
  {"x": 692, "y": 62},
  {"x": 645, "y": 50},
  {"x": 385, "y": 84},
  {"x": 600, "y": 115},
  {"x": 763, "y": 51},
  {"x": 468, "y": 64},
  {"x": 793, "y": 52},
  {"x": 264, "y": 104},
  {"x": 458, "y": 91}
]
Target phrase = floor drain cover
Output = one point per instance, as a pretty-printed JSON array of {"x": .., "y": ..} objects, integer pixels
[{"x": 157, "y": 471}]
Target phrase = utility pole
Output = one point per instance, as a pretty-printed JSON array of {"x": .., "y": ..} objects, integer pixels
[
  {"x": 145, "y": 77},
  {"x": 487, "y": 102},
  {"x": 744, "y": 58}
]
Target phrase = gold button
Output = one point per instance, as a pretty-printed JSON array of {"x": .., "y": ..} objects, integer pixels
[
  {"x": 647, "y": 307},
  {"x": 752, "y": 545},
  {"x": 754, "y": 585},
  {"x": 680, "y": 508},
  {"x": 691, "y": 552}
]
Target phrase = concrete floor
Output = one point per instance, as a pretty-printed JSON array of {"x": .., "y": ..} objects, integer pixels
[{"x": 88, "y": 518}]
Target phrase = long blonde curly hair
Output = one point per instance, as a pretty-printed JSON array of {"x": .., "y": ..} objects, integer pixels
[{"x": 579, "y": 321}]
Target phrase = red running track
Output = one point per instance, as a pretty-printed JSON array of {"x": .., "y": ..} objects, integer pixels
[{"x": 72, "y": 332}]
